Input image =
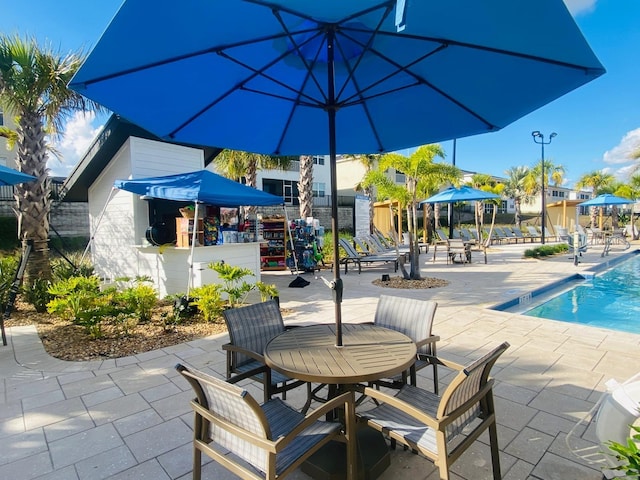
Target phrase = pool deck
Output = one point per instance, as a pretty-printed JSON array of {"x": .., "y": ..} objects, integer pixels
[{"x": 129, "y": 418}]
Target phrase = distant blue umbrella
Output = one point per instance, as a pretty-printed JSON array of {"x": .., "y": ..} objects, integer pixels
[
  {"x": 289, "y": 77},
  {"x": 606, "y": 199},
  {"x": 9, "y": 176},
  {"x": 461, "y": 194}
]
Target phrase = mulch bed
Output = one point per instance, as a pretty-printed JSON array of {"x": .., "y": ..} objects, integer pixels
[{"x": 400, "y": 282}]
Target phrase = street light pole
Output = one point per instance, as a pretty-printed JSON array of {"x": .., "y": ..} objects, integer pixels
[{"x": 539, "y": 138}]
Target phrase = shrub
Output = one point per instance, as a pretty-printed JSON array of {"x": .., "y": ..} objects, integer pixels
[
  {"x": 233, "y": 283},
  {"x": 37, "y": 294},
  {"x": 546, "y": 250},
  {"x": 628, "y": 455},
  {"x": 208, "y": 300},
  {"x": 71, "y": 266},
  {"x": 8, "y": 268},
  {"x": 140, "y": 299}
]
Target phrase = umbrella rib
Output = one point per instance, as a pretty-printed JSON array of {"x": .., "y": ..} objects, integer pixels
[
  {"x": 472, "y": 46},
  {"x": 420, "y": 80},
  {"x": 255, "y": 73}
]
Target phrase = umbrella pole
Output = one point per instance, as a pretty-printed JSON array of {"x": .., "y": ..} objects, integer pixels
[
  {"x": 336, "y": 285},
  {"x": 194, "y": 237}
]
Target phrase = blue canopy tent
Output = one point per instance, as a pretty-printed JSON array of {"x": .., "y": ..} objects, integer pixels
[
  {"x": 9, "y": 176},
  {"x": 202, "y": 186}
]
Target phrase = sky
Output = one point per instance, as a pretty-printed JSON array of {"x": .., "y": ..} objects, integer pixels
[{"x": 597, "y": 125}]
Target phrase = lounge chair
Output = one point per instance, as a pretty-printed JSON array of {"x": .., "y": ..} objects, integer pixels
[
  {"x": 352, "y": 256},
  {"x": 534, "y": 234},
  {"x": 519, "y": 235},
  {"x": 267, "y": 441},
  {"x": 414, "y": 318},
  {"x": 441, "y": 427}
]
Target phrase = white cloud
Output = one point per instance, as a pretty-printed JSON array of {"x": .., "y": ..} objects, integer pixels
[
  {"x": 621, "y": 153},
  {"x": 78, "y": 134},
  {"x": 576, "y": 7},
  {"x": 621, "y": 165}
]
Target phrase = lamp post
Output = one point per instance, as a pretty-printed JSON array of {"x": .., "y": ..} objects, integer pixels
[{"x": 539, "y": 138}]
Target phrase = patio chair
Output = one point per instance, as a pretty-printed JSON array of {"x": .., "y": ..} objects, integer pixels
[
  {"x": 250, "y": 329},
  {"x": 414, "y": 318},
  {"x": 439, "y": 239},
  {"x": 458, "y": 248},
  {"x": 352, "y": 256},
  {"x": 267, "y": 441},
  {"x": 441, "y": 427}
]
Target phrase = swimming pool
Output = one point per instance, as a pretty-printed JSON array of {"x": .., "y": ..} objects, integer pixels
[{"x": 608, "y": 300}]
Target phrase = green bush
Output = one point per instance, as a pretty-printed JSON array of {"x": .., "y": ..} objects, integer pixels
[
  {"x": 63, "y": 269},
  {"x": 546, "y": 250},
  {"x": 37, "y": 294},
  {"x": 233, "y": 283},
  {"x": 209, "y": 302},
  {"x": 8, "y": 268},
  {"x": 628, "y": 455},
  {"x": 140, "y": 299}
]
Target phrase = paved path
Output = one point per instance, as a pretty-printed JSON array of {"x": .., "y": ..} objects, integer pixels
[{"x": 129, "y": 418}]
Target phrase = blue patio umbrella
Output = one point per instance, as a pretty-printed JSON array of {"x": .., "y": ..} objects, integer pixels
[
  {"x": 606, "y": 199},
  {"x": 9, "y": 176},
  {"x": 461, "y": 194},
  {"x": 285, "y": 77}
]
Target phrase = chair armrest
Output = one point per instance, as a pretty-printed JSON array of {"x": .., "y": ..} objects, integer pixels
[
  {"x": 248, "y": 374},
  {"x": 441, "y": 361},
  {"x": 310, "y": 418},
  {"x": 229, "y": 347},
  {"x": 429, "y": 340},
  {"x": 404, "y": 407}
]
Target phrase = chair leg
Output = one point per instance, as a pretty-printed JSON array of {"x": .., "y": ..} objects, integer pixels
[
  {"x": 197, "y": 465},
  {"x": 495, "y": 453}
]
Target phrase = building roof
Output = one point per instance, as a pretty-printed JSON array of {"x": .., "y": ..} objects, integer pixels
[{"x": 103, "y": 148}]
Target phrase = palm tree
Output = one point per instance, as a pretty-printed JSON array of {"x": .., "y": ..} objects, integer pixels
[
  {"x": 534, "y": 180},
  {"x": 418, "y": 169},
  {"x": 480, "y": 181},
  {"x": 305, "y": 186},
  {"x": 369, "y": 162},
  {"x": 634, "y": 183},
  {"x": 33, "y": 88},
  {"x": 514, "y": 188},
  {"x": 235, "y": 164},
  {"x": 596, "y": 181}
]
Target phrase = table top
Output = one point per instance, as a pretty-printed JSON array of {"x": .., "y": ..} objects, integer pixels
[{"x": 368, "y": 353}]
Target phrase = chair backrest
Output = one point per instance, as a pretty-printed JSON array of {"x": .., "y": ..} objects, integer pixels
[
  {"x": 233, "y": 408},
  {"x": 442, "y": 237},
  {"x": 252, "y": 327},
  {"x": 470, "y": 383},
  {"x": 348, "y": 248},
  {"x": 533, "y": 231},
  {"x": 361, "y": 243},
  {"x": 412, "y": 317},
  {"x": 517, "y": 232}
]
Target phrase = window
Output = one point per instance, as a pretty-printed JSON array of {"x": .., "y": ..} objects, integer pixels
[
  {"x": 318, "y": 159},
  {"x": 319, "y": 189},
  {"x": 1, "y": 118},
  {"x": 400, "y": 177},
  {"x": 287, "y": 189}
]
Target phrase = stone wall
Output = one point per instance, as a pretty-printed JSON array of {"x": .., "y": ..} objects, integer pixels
[
  {"x": 69, "y": 219},
  {"x": 323, "y": 214}
]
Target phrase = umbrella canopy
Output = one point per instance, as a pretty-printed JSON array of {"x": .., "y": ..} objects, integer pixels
[
  {"x": 604, "y": 200},
  {"x": 285, "y": 77},
  {"x": 462, "y": 194},
  {"x": 201, "y": 186},
  {"x": 9, "y": 176}
]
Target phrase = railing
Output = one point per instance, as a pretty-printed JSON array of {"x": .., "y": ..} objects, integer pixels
[{"x": 6, "y": 191}]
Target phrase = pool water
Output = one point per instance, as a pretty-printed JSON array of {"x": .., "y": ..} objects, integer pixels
[{"x": 609, "y": 300}]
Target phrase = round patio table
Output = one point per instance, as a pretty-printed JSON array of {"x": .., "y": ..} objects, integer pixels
[{"x": 368, "y": 353}]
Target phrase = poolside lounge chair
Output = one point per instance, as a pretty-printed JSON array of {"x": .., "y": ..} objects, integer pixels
[
  {"x": 414, "y": 318},
  {"x": 352, "y": 256},
  {"x": 518, "y": 234},
  {"x": 533, "y": 233},
  {"x": 250, "y": 329},
  {"x": 267, "y": 441},
  {"x": 432, "y": 425}
]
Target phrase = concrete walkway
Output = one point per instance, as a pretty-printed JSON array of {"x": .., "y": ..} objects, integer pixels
[{"x": 129, "y": 418}]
